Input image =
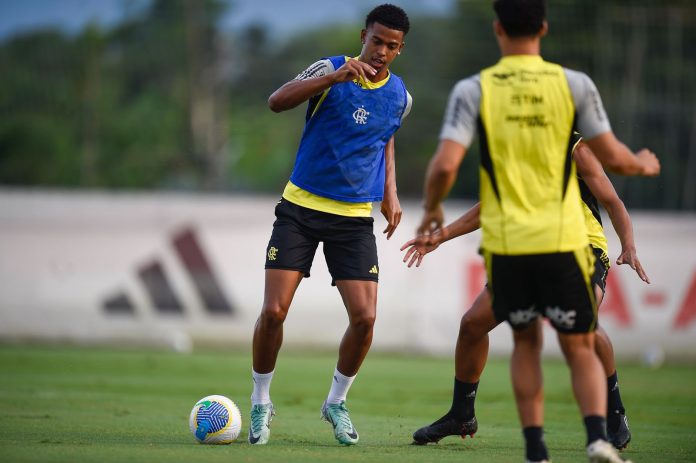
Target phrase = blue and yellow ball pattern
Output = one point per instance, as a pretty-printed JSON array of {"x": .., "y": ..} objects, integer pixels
[{"x": 215, "y": 419}]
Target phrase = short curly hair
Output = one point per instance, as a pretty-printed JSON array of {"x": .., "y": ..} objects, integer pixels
[{"x": 390, "y": 16}]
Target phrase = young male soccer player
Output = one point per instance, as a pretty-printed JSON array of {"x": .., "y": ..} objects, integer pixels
[
  {"x": 534, "y": 237},
  {"x": 345, "y": 161},
  {"x": 472, "y": 343}
]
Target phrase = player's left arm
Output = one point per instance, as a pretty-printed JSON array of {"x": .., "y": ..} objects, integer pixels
[
  {"x": 391, "y": 208},
  {"x": 601, "y": 187},
  {"x": 418, "y": 247}
]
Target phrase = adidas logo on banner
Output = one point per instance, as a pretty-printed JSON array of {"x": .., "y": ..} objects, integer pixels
[{"x": 160, "y": 291}]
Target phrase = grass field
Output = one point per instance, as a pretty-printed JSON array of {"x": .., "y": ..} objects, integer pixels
[{"x": 60, "y": 404}]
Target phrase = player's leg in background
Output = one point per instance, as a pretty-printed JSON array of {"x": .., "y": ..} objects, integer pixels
[
  {"x": 470, "y": 358},
  {"x": 617, "y": 424},
  {"x": 587, "y": 378},
  {"x": 527, "y": 383},
  {"x": 471, "y": 354}
]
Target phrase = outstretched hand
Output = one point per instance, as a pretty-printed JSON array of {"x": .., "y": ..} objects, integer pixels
[
  {"x": 631, "y": 258},
  {"x": 419, "y": 246}
]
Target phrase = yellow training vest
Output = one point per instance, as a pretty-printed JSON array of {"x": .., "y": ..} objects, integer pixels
[{"x": 530, "y": 199}]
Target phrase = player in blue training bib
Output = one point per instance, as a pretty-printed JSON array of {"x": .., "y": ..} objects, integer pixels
[
  {"x": 345, "y": 161},
  {"x": 341, "y": 154}
]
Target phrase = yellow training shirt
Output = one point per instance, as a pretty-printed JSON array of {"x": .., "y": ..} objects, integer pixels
[{"x": 530, "y": 199}]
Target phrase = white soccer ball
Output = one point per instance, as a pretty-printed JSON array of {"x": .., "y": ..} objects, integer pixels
[{"x": 215, "y": 419}]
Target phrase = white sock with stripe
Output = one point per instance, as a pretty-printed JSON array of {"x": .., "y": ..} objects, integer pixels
[
  {"x": 339, "y": 387},
  {"x": 262, "y": 388}
]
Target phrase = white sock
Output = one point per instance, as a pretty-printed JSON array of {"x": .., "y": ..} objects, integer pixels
[
  {"x": 262, "y": 388},
  {"x": 339, "y": 387}
]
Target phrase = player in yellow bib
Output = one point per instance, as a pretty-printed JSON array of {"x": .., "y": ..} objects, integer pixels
[
  {"x": 472, "y": 343},
  {"x": 534, "y": 236}
]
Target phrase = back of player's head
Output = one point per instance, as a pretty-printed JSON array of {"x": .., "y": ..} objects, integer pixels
[
  {"x": 390, "y": 16},
  {"x": 520, "y": 18}
]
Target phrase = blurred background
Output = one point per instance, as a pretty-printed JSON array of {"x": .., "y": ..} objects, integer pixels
[
  {"x": 139, "y": 163},
  {"x": 171, "y": 94}
]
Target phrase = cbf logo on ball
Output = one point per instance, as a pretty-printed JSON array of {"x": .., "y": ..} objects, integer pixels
[
  {"x": 215, "y": 419},
  {"x": 360, "y": 115}
]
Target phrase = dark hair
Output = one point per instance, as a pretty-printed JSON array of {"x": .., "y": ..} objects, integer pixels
[
  {"x": 520, "y": 18},
  {"x": 390, "y": 16}
]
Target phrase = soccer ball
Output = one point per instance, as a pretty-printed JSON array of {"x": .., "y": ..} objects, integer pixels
[{"x": 215, "y": 419}]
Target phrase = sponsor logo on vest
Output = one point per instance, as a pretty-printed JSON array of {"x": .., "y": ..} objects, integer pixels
[
  {"x": 360, "y": 115},
  {"x": 374, "y": 270}
]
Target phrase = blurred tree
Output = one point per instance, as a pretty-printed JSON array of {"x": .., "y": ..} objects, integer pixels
[{"x": 165, "y": 100}]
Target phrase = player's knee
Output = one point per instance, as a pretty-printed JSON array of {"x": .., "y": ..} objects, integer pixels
[
  {"x": 576, "y": 344},
  {"x": 273, "y": 314},
  {"x": 602, "y": 340},
  {"x": 363, "y": 322},
  {"x": 470, "y": 331},
  {"x": 530, "y": 338}
]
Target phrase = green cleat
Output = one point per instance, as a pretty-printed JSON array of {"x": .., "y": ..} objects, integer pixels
[
  {"x": 260, "y": 426},
  {"x": 337, "y": 416}
]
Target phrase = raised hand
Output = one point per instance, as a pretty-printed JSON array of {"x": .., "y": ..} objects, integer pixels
[{"x": 352, "y": 69}]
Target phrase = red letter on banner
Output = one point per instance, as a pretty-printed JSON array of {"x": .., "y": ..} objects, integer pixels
[
  {"x": 476, "y": 280},
  {"x": 614, "y": 303},
  {"x": 687, "y": 312}
]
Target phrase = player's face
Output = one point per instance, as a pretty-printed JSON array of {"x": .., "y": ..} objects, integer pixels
[{"x": 381, "y": 46}]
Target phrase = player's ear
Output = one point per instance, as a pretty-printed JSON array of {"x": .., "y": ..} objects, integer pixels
[
  {"x": 498, "y": 28},
  {"x": 544, "y": 29},
  {"x": 363, "y": 35},
  {"x": 401, "y": 47}
]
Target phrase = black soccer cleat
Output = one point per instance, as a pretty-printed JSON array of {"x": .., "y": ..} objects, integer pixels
[
  {"x": 619, "y": 435},
  {"x": 445, "y": 426}
]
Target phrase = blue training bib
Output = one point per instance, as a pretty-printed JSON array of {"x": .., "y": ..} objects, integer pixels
[{"x": 341, "y": 154}]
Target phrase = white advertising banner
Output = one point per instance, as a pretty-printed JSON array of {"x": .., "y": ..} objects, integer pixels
[{"x": 177, "y": 270}]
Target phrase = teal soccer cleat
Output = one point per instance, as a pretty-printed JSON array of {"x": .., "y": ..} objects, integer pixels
[
  {"x": 260, "y": 426},
  {"x": 337, "y": 415}
]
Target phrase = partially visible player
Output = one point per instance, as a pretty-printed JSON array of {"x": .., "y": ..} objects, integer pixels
[
  {"x": 534, "y": 237},
  {"x": 345, "y": 161},
  {"x": 472, "y": 343}
]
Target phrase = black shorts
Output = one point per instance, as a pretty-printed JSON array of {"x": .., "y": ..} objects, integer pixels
[
  {"x": 556, "y": 286},
  {"x": 349, "y": 243},
  {"x": 601, "y": 269}
]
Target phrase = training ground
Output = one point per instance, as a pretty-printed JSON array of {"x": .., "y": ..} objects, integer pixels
[{"x": 70, "y": 404}]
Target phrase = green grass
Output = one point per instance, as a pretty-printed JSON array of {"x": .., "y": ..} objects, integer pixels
[{"x": 60, "y": 404}]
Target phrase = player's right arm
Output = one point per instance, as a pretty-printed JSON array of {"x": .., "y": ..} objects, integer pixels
[
  {"x": 619, "y": 159},
  {"x": 458, "y": 130},
  {"x": 601, "y": 188},
  {"x": 439, "y": 178},
  {"x": 593, "y": 124},
  {"x": 299, "y": 90}
]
